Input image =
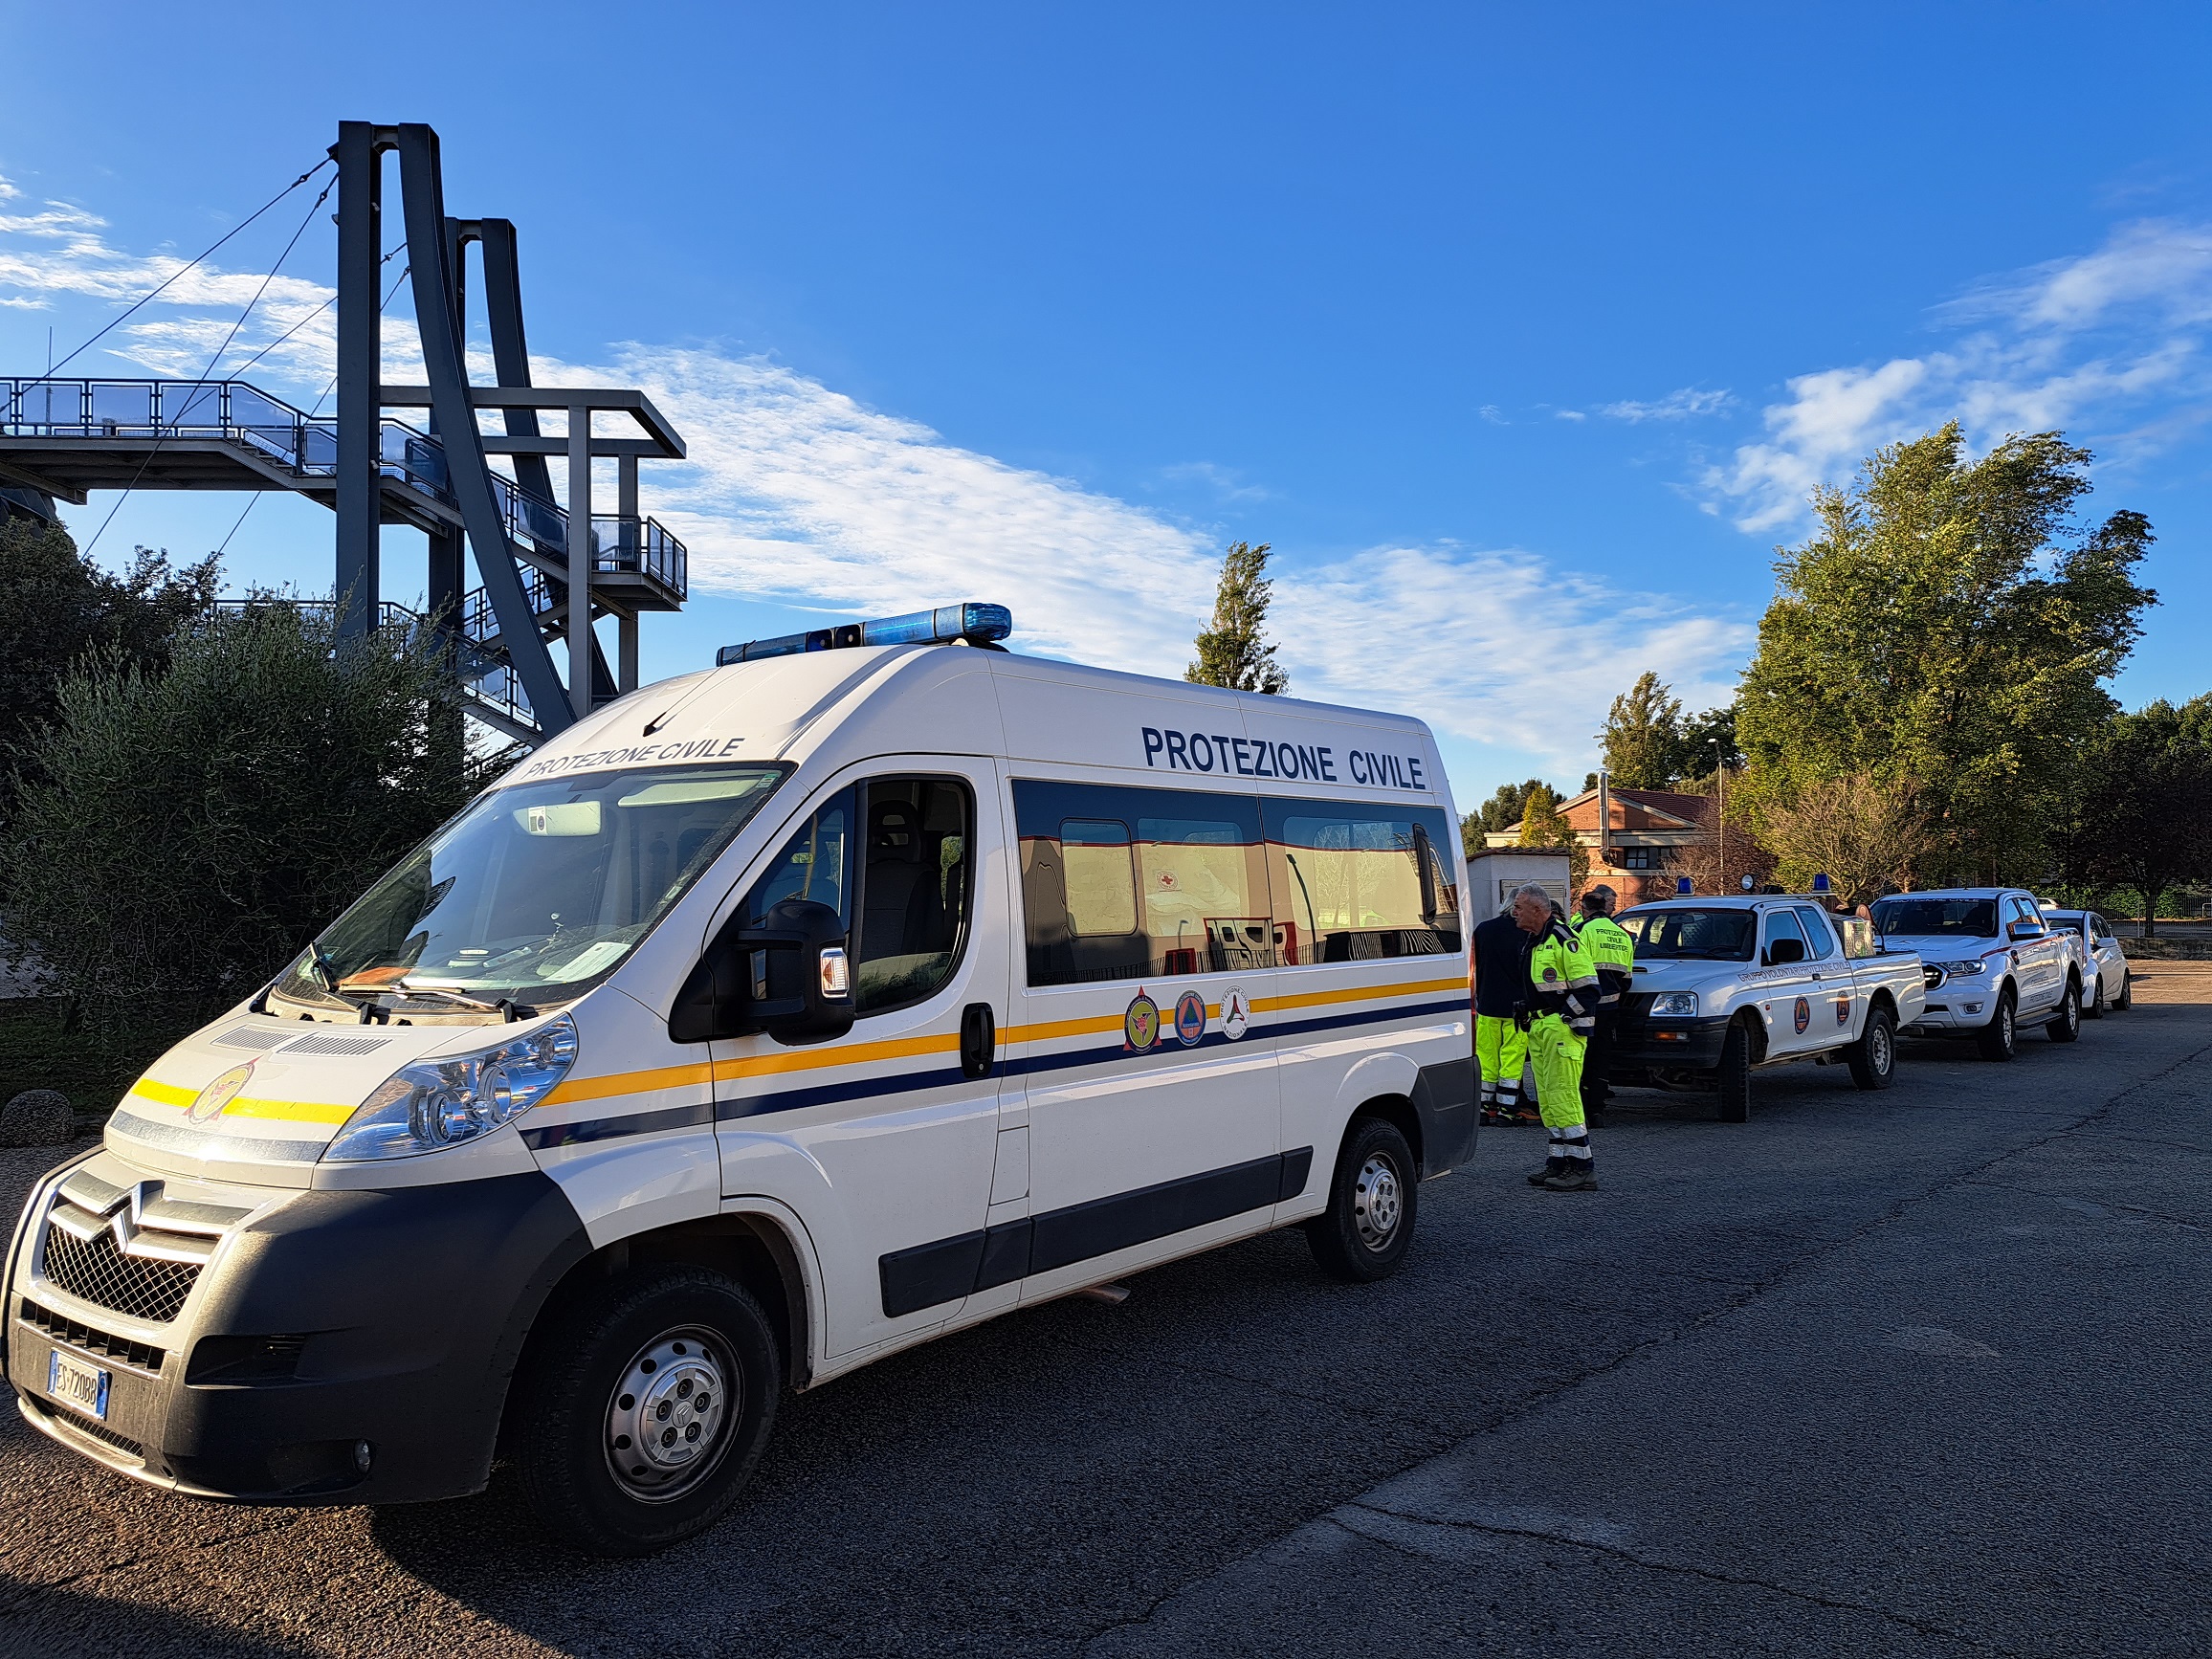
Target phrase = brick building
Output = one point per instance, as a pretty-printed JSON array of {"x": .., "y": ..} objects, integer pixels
[{"x": 1654, "y": 837}]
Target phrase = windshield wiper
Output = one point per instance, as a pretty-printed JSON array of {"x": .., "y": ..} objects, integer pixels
[
  {"x": 324, "y": 968},
  {"x": 452, "y": 996}
]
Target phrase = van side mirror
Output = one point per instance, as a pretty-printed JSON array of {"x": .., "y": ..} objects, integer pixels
[
  {"x": 2024, "y": 930},
  {"x": 1786, "y": 950},
  {"x": 789, "y": 977}
]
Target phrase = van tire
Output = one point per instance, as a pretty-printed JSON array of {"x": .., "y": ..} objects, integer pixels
[
  {"x": 2093, "y": 1004},
  {"x": 1999, "y": 1039},
  {"x": 571, "y": 1388},
  {"x": 1735, "y": 1074},
  {"x": 1368, "y": 1227},
  {"x": 1873, "y": 1057},
  {"x": 2126, "y": 1000},
  {"x": 2067, "y": 1025}
]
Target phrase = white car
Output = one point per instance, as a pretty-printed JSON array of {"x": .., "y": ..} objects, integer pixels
[
  {"x": 1724, "y": 986},
  {"x": 2110, "y": 982},
  {"x": 1993, "y": 963}
]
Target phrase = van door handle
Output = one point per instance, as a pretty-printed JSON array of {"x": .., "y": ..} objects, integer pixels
[{"x": 979, "y": 1040}]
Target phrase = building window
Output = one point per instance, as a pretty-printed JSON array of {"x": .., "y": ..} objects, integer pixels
[{"x": 1638, "y": 858}]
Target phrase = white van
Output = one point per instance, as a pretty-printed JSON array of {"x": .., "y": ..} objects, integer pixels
[{"x": 770, "y": 1020}]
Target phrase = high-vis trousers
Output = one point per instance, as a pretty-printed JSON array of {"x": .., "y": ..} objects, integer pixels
[
  {"x": 1501, "y": 1050},
  {"x": 1557, "y": 1056}
]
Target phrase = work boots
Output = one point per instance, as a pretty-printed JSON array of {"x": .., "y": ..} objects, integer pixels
[
  {"x": 1573, "y": 1175},
  {"x": 1553, "y": 1168}
]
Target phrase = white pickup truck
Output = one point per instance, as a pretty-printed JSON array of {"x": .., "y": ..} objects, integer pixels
[
  {"x": 1725, "y": 987},
  {"x": 1993, "y": 961}
]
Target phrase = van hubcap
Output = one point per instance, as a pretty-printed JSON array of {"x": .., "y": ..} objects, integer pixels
[
  {"x": 668, "y": 1418},
  {"x": 1377, "y": 1202}
]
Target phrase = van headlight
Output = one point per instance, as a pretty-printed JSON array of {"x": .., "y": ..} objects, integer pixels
[
  {"x": 1676, "y": 1004},
  {"x": 438, "y": 1103}
]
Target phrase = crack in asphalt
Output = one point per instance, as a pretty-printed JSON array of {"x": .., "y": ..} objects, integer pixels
[
  {"x": 1889, "y": 1216},
  {"x": 1687, "y": 1569}
]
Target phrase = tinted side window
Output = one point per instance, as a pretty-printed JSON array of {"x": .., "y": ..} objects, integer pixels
[
  {"x": 1125, "y": 883},
  {"x": 1781, "y": 924},
  {"x": 1357, "y": 882},
  {"x": 1819, "y": 940},
  {"x": 815, "y": 864},
  {"x": 915, "y": 881}
]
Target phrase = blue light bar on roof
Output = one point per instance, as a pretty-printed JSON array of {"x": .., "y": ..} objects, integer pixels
[{"x": 975, "y": 623}]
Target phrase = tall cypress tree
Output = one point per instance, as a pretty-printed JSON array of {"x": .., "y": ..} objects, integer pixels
[{"x": 1230, "y": 653}]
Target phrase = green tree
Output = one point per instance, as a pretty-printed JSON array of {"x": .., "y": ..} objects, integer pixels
[
  {"x": 1708, "y": 742},
  {"x": 1230, "y": 653},
  {"x": 186, "y": 832},
  {"x": 1863, "y": 835},
  {"x": 1544, "y": 824},
  {"x": 1947, "y": 632},
  {"x": 2150, "y": 810},
  {"x": 57, "y": 604},
  {"x": 1501, "y": 812},
  {"x": 1643, "y": 735}
]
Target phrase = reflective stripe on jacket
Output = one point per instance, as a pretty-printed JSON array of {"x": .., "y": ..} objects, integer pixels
[
  {"x": 1612, "y": 950},
  {"x": 1562, "y": 979}
]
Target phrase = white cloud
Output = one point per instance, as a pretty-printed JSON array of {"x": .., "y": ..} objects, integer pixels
[
  {"x": 1225, "y": 482},
  {"x": 1676, "y": 405},
  {"x": 2081, "y": 344},
  {"x": 1475, "y": 643},
  {"x": 1569, "y": 414},
  {"x": 797, "y": 493}
]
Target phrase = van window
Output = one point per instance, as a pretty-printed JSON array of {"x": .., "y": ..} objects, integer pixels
[
  {"x": 915, "y": 883},
  {"x": 537, "y": 891},
  {"x": 815, "y": 864},
  {"x": 1353, "y": 882},
  {"x": 1121, "y": 883}
]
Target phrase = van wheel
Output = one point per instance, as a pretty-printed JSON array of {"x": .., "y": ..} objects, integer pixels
[
  {"x": 2067, "y": 1025},
  {"x": 1873, "y": 1057},
  {"x": 1999, "y": 1039},
  {"x": 2126, "y": 1000},
  {"x": 1368, "y": 1227},
  {"x": 1736, "y": 1074},
  {"x": 2093, "y": 1008},
  {"x": 644, "y": 1409}
]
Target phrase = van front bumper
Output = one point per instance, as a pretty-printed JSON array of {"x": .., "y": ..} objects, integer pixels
[{"x": 336, "y": 1347}]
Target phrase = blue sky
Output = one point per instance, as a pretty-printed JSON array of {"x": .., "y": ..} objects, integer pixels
[{"x": 1520, "y": 333}]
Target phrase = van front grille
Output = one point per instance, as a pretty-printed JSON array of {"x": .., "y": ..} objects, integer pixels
[{"x": 94, "y": 1271}]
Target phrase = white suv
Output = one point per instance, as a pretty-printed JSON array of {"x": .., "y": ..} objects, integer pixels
[{"x": 1991, "y": 962}]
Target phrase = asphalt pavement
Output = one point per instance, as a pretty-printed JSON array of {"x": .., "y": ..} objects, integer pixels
[{"x": 1920, "y": 1373}]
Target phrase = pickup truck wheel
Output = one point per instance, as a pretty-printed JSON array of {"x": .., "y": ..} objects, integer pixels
[
  {"x": 1999, "y": 1039},
  {"x": 643, "y": 1408},
  {"x": 1736, "y": 1074},
  {"x": 1368, "y": 1227},
  {"x": 1873, "y": 1057},
  {"x": 2126, "y": 1000},
  {"x": 2067, "y": 1025}
]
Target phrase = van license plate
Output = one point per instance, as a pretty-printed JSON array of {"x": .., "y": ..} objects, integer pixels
[{"x": 73, "y": 1382}]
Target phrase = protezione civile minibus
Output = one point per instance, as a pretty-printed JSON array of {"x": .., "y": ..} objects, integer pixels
[{"x": 768, "y": 1021}]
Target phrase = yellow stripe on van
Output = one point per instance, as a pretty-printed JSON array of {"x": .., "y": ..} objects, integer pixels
[
  {"x": 629, "y": 1083},
  {"x": 247, "y": 1105},
  {"x": 163, "y": 1094},
  {"x": 1357, "y": 994}
]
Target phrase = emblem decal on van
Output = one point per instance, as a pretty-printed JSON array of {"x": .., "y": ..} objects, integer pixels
[
  {"x": 1236, "y": 1013},
  {"x": 1805, "y": 1013},
  {"x": 208, "y": 1105},
  {"x": 1189, "y": 1019},
  {"x": 1140, "y": 1025},
  {"x": 1843, "y": 1010}
]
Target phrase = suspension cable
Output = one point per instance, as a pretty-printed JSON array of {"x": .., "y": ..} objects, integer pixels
[
  {"x": 207, "y": 373},
  {"x": 188, "y": 264}
]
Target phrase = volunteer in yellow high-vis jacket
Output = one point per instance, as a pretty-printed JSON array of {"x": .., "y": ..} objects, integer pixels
[
  {"x": 1560, "y": 1008},
  {"x": 1613, "y": 953}
]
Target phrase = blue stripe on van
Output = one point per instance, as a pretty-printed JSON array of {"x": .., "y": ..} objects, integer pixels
[{"x": 730, "y": 1110}]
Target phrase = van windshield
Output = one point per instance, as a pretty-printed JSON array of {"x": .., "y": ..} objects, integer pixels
[
  {"x": 535, "y": 891},
  {"x": 1694, "y": 935},
  {"x": 1936, "y": 917}
]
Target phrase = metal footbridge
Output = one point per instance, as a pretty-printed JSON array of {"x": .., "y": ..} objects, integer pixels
[{"x": 549, "y": 564}]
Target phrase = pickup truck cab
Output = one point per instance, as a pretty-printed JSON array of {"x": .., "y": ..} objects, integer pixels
[
  {"x": 1725, "y": 987},
  {"x": 1993, "y": 962},
  {"x": 2110, "y": 980}
]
